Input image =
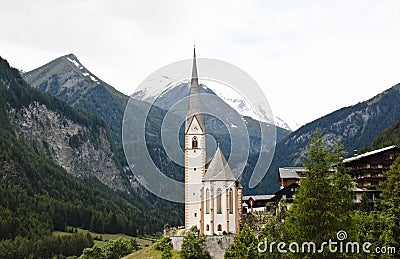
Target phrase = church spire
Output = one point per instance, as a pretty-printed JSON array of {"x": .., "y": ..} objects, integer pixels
[
  {"x": 194, "y": 97},
  {"x": 194, "y": 67}
]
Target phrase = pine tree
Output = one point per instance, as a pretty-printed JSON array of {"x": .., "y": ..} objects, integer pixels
[
  {"x": 323, "y": 203},
  {"x": 244, "y": 245},
  {"x": 391, "y": 203},
  {"x": 165, "y": 246},
  {"x": 192, "y": 246}
]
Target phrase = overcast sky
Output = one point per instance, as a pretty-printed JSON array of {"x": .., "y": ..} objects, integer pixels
[{"x": 309, "y": 57}]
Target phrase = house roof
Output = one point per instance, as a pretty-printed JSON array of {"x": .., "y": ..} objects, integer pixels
[
  {"x": 218, "y": 169},
  {"x": 258, "y": 197},
  {"x": 290, "y": 172},
  {"x": 356, "y": 189},
  {"x": 373, "y": 152}
]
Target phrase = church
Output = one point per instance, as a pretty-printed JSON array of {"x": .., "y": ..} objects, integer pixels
[{"x": 213, "y": 196}]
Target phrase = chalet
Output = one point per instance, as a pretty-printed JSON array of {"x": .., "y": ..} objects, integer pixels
[
  {"x": 290, "y": 175},
  {"x": 256, "y": 203},
  {"x": 366, "y": 170}
]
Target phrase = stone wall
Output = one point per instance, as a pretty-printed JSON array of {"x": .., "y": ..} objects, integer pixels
[{"x": 216, "y": 245}]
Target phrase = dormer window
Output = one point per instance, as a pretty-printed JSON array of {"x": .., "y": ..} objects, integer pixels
[{"x": 194, "y": 142}]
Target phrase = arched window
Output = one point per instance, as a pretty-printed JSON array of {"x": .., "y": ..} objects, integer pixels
[
  {"x": 208, "y": 201},
  {"x": 208, "y": 227},
  {"x": 230, "y": 205},
  {"x": 219, "y": 227},
  {"x": 219, "y": 206},
  {"x": 194, "y": 142}
]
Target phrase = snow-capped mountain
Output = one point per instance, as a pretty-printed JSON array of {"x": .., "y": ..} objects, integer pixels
[
  {"x": 228, "y": 95},
  {"x": 288, "y": 124}
]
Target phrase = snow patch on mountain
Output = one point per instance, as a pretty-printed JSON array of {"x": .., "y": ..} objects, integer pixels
[
  {"x": 229, "y": 95},
  {"x": 76, "y": 63},
  {"x": 288, "y": 124}
]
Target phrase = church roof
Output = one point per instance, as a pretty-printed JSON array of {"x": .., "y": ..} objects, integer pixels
[
  {"x": 218, "y": 169},
  {"x": 194, "y": 97}
]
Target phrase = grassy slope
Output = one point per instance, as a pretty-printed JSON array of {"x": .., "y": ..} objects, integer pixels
[
  {"x": 105, "y": 237},
  {"x": 150, "y": 252}
]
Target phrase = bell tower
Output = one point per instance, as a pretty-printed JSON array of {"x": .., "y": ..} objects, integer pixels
[{"x": 195, "y": 154}]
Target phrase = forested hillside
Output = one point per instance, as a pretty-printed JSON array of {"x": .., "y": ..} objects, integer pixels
[
  {"x": 354, "y": 126},
  {"x": 39, "y": 196},
  {"x": 390, "y": 136}
]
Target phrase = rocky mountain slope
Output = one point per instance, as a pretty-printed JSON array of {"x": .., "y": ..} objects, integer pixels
[
  {"x": 76, "y": 140},
  {"x": 68, "y": 79},
  {"x": 81, "y": 151},
  {"x": 39, "y": 133}
]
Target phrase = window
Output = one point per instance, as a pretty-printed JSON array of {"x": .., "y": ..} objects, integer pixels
[
  {"x": 194, "y": 142},
  {"x": 195, "y": 214},
  {"x": 208, "y": 228},
  {"x": 219, "y": 206},
  {"x": 230, "y": 207},
  {"x": 208, "y": 201},
  {"x": 219, "y": 227}
]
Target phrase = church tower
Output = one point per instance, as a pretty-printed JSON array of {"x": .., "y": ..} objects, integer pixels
[
  {"x": 213, "y": 196},
  {"x": 195, "y": 154}
]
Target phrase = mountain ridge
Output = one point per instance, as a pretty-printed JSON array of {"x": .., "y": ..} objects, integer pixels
[
  {"x": 38, "y": 195},
  {"x": 66, "y": 78},
  {"x": 354, "y": 126}
]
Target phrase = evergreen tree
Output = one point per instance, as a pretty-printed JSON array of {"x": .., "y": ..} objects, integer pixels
[
  {"x": 165, "y": 246},
  {"x": 391, "y": 203},
  {"x": 192, "y": 246},
  {"x": 323, "y": 203},
  {"x": 244, "y": 245}
]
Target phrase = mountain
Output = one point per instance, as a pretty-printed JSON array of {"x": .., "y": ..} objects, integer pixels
[
  {"x": 76, "y": 140},
  {"x": 288, "y": 124},
  {"x": 38, "y": 193},
  {"x": 226, "y": 102},
  {"x": 390, "y": 136},
  {"x": 68, "y": 79},
  {"x": 229, "y": 96},
  {"x": 354, "y": 126}
]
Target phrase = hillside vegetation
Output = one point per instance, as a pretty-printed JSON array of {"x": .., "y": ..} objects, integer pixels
[{"x": 38, "y": 196}]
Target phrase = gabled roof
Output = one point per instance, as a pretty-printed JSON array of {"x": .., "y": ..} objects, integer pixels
[
  {"x": 265, "y": 197},
  {"x": 291, "y": 172},
  {"x": 373, "y": 152},
  {"x": 218, "y": 169}
]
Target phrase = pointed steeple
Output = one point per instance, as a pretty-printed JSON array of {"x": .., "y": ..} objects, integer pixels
[
  {"x": 194, "y": 97},
  {"x": 194, "y": 67}
]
